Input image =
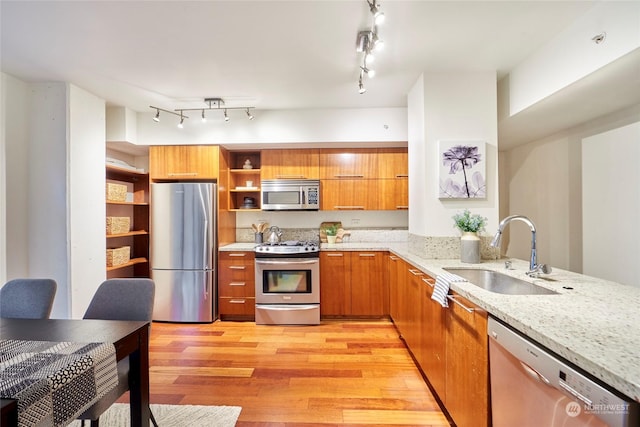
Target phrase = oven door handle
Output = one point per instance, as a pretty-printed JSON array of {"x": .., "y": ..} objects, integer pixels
[{"x": 286, "y": 262}]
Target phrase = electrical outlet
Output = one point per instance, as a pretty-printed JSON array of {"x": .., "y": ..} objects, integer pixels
[{"x": 355, "y": 221}]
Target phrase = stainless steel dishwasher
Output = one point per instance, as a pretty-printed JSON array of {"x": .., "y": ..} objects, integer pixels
[{"x": 530, "y": 387}]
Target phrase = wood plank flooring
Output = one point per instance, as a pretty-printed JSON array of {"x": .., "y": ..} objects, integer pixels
[{"x": 337, "y": 373}]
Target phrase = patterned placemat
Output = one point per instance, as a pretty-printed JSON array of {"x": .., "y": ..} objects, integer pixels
[{"x": 54, "y": 382}]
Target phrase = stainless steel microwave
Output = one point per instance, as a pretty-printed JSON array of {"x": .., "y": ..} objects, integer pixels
[{"x": 290, "y": 194}]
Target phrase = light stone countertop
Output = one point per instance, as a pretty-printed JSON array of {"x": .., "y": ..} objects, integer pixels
[{"x": 595, "y": 325}]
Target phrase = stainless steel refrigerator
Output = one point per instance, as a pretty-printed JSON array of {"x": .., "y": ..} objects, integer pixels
[{"x": 183, "y": 251}]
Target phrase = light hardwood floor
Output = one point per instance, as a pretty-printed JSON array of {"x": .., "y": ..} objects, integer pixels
[{"x": 337, "y": 373}]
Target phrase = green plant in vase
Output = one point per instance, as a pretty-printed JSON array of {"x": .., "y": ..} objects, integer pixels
[
  {"x": 332, "y": 232},
  {"x": 470, "y": 225}
]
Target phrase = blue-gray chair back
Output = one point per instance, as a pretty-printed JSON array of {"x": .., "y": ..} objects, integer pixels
[
  {"x": 27, "y": 298},
  {"x": 123, "y": 299},
  {"x": 119, "y": 299}
]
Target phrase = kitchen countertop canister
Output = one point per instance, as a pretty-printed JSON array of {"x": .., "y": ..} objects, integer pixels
[{"x": 593, "y": 323}]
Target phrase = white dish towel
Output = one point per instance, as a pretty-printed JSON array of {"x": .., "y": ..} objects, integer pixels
[{"x": 440, "y": 291}]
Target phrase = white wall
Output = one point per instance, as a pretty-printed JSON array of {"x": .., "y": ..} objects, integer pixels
[
  {"x": 611, "y": 205},
  {"x": 572, "y": 55},
  {"x": 47, "y": 196},
  {"x": 15, "y": 175},
  {"x": 304, "y": 127},
  {"x": 543, "y": 180},
  {"x": 86, "y": 210},
  {"x": 458, "y": 106}
]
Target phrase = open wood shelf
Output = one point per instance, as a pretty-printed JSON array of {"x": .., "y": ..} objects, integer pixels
[
  {"x": 131, "y": 262},
  {"x": 130, "y": 233}
]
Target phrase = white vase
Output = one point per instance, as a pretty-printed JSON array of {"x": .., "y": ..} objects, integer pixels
[
  {"x": 470, "y": 247},
  {"x": 331, "y": 239}
]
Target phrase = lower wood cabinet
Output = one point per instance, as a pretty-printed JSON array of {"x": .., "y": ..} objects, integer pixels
[
  {"x": 236, "y": 285},
  {"x": 449, "y": 344},
  {"x": 352, "y": 284},
  {"x": 467, "y": 364}
]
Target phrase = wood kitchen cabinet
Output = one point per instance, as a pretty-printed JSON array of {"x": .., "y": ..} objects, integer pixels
[
  {"x": 353, "y": 284},
  {"x": 393, "y": 163},
  {"x": 136, "y": 209},
  {"x": 412, "y": 309},
  {"x": 344, "y": 163},
  {"x": 433, "y": 341},
  {"x": 290, "y": 164},
  {"x": 183, "y": 162},
  {"x": 397, "y": 268},
  {"x": 335, "y": 289},
  {"x": 467, "y": 364},
  {"x": 369, "y": 292},
  {"x": 349, "y": 194},
  {"x": 236, "y": 285}
]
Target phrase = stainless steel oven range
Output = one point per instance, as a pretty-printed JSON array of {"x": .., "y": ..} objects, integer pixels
[{"x": 288, "y": 283}]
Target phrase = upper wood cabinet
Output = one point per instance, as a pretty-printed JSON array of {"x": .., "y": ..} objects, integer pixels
[
  {"x": 345, "y": 163},
  {"x": 349, "y": 194},
  {"x": 393, "y": 163},
  {"x": 291, "y": 164},
  {"x": 183, "y": 162}
]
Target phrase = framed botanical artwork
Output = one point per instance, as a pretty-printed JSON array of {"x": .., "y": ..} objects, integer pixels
[{"x": 462, "y": 170}]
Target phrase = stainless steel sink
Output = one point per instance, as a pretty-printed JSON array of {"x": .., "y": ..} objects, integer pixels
[{"x": 499, "y": 283}]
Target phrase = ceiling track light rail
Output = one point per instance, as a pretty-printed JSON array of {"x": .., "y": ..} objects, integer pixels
[
  {"x": 212, "y": 104},
  {"x": 368, "y": 42}
]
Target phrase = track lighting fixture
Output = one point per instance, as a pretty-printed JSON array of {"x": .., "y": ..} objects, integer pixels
[
  {"x": 212, "y": 104},
  {"x": 156, "y": 118},
  {"x": 378, "y": 16},
  {"x": 367, "y": 42}
]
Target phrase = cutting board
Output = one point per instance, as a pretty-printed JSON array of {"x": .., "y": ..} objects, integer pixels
[{"x": 323, "y": 234}]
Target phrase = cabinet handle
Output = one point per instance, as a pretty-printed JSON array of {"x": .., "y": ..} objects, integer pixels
[
  {"x": 334, "y": 255},
  {"x": 402, "y": 207},
  {"x": 237, "y": 284},
  {"x": 183, "y": 174},
  {"x": 349, "y": 207},
  {"x": 416, "y": 272},
  {"x": 467, "y": 309},
  {"x": 349, "y": 176},
  {"x": 402, "y": 175},
  {"x": 237, "y": 267},
  {"x": 367, "y": 255},
  {"x": 393, "y": 258},
  {"x": 237, "y": 301},
  {"x": 290, "y": 176},
  {"x": 429, "y": 281},
  {"x": 237, "y": 254}
]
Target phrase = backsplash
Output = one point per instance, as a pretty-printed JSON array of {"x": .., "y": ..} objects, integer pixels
[
  {"x": 446, "y": 247},
  {"x": 356, "y": 235}
]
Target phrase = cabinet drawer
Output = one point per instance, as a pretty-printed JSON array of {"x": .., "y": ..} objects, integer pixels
[
  {"x": 238, "y": 306},
  {"x": 236, "y": 267},
  {"x": 240, "y": 288}
]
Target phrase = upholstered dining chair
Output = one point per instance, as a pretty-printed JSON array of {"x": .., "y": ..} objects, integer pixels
[
  {"x": 119, "y": 299},
  {"x": 27, "y": 298}
]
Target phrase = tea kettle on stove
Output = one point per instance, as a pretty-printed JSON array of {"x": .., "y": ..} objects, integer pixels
[{"x": 274, "y": 235}]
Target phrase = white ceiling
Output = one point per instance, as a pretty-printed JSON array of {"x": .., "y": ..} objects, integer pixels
[{"x": 267, "y": 54}]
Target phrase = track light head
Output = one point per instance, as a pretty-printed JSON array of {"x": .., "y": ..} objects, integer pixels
[
  {"x": 181, "y": 124},
  {"x": 156, "y": 118},
  {"x": 204, "y": 119},
  {"x": 361, "y": 88},
  {"x": 249, "y": 115},
  {"x": 368, "y": 71},
  {"x": 226, "y": 117},
  {"x": 378, "y": 16}
]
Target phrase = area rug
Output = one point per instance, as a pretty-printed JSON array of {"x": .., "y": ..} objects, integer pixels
[{"x": 173, "y": 416}]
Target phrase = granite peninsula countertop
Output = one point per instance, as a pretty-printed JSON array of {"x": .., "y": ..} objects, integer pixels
[{"x": 595, "y": 324}]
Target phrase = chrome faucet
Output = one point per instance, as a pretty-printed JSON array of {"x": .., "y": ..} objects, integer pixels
[{"x": 534, "y": 268}]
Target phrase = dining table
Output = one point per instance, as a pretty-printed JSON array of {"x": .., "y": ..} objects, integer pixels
[{"x": 130, "y": 339}]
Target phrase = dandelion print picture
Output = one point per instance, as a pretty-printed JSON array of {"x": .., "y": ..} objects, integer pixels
[{"x": 462, "y": 170}]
